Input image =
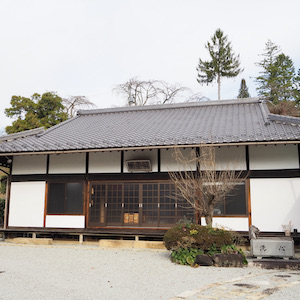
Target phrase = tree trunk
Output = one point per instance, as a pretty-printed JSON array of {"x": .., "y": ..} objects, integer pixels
[
  {"x": 219, "y": 87},
  {"x": 208, "y": 220}
]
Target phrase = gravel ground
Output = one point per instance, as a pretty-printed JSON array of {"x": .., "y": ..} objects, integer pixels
[{"x": 89, "y": 272}]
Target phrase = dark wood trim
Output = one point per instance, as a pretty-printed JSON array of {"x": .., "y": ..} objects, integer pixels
[
  {"x": 247, "y": 158},
  {"x": 85, "y": 201},
  {"x": 288, "y": 173},
  {"x": 46, "y": 203},
  {"x": 7, "y": 201},
  {"x": 87, "y": 208},
  {"x": 65, "y": 214},
  {"x": 158, "y": 161},
  {"x": 44, "y": 177},
  {"x": 229, "y": 216},
  {"x": 47, "y": 164},
  {"x": 129, "y": 176},
  {"x": 122, "y": 161},
  {"x": 198, "y": 155},
  {"x": 248, "y": 199},
  {"x": 299, "y": 154},
  {"x": 87, "y": 160}
]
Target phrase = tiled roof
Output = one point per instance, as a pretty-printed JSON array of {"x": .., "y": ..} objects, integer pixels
[{"x": 211, "y": 122}]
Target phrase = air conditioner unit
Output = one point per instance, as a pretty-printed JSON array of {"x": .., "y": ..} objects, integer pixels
[{"x": 139, "y": 165}]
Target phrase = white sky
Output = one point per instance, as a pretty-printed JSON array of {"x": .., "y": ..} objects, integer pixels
[{"x": 87, "y": 47}]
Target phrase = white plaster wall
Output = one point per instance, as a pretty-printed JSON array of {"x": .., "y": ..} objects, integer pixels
[
  {"x": 29, "y": 164},
  {"x": 27, "y": 204},
  {"x": 168, "y": 162},
  {"x": 272, "y": 157},
  {"x": 65, "y": 221},
  {"x": 67, "y": 163},
  {"x": 141, "y": 154},
  {"x": 275, "y": 202},
  {"x": 237, "y": 223},
  {"x": 105, "y": 162},
  {"x": 231, "y": 158}
]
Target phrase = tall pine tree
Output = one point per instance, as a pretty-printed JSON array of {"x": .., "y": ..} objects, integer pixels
[
  {"x": 243, "y": 91},
  {"x": 223, "y": 62},
  {"x": 277, "y": 79}
]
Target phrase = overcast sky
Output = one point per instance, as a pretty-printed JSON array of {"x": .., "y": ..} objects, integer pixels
[{"x": 87, "y": 47}]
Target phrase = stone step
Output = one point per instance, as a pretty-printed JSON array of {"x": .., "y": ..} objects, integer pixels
[
  {"x": 30, "y": 241},
  {"x": 131, "y": 244}
]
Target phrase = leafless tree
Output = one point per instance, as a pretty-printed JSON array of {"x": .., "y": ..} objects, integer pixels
[
  {"x": 205, "y": 188},
  {"x": 142, "y": 92},
  {"x": 74, "y": 102},
  {"x": 198, "y": 97},
  {"x": 168, "y": 92}
]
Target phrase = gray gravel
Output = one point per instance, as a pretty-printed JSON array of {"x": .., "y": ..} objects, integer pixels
[{"x": 87, "y": 272}]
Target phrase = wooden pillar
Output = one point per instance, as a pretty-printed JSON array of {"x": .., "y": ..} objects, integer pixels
[{"x": 80, "y": 239}]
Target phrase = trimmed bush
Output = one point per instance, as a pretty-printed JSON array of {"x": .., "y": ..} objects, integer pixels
[{"x": 195, "y": 236}]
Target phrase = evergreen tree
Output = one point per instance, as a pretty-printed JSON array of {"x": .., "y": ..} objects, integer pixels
[
  {"x": 223, "y": 63},
  {"x": 38, "y": 111},
  {"x": 277, "y": 79},
  {"x": 243, "y": 92}
]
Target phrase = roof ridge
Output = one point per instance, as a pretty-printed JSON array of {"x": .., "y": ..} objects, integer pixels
[
  {"x": 283, "y": 118},
  {"x": 168, "y": 106},
  {"x": 56, "y": 126},
  {"x": 22, "y": 134}
]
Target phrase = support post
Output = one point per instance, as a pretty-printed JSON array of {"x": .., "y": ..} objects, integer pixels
[{"x": 80, "y": 239}]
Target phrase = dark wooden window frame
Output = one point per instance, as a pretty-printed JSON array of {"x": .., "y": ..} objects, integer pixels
[
  {"x": 84, "y": 192},
  {"x": 176, "y": 202}
]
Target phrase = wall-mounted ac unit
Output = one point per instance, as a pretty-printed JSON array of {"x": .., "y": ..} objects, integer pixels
[{"x": 139, "y": 165}]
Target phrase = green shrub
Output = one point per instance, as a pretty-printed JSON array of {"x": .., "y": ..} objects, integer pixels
[
  {"x": 185, "y": 256},
  {"x": 195, "y": 236}
]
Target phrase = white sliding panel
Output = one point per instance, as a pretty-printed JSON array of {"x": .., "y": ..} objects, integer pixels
[
  {"x": 105, "y": 162},
  {"x": 168, "y": 162},
  {"x": 26, "y": 205},
  {"x": 275, "y": 202},
  {"x": 67, "y": 163},
  {"x": 55, "y": 221},
  {"x": 230, "y": 158},
  {"x": 273, "y": 157},
  {"x": 29, "y": 164},
  {"x": 236, "y": 223}
]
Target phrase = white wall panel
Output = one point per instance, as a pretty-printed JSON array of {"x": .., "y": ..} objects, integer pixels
[
  {"x": 168, "y": 162},
  {"x": 105, "y": 162},
  {"x": 141, "y": 154},
  {"x": 29, "y": 164},
  {"x": 65, "y": 221},
  {"x": 275, "y": 202},
  {"x": 231, "y": 158},
  {"x": 27, "y": 202},
  {"x": 67, "y": 163},
  {"x": 236, "y": 223},
  {"x": 272, "y": 157}
]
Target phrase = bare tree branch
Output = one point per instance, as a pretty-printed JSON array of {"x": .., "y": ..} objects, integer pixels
[
  {"x": 142, "y": 92},
  {"x": 74, "y": 102},
  {"x": 205, "y": 188}
]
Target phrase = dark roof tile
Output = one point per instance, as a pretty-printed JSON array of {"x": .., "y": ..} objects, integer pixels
[{"x": 212, "y": 122}]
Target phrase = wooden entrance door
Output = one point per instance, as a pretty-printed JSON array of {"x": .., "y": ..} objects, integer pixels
[
  {"x": 135, "y": 204},
  {"x": 97, "y": 203}
]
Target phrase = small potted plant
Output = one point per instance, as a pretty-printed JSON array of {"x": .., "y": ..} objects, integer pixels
[{"x": 288, "y": 229}]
